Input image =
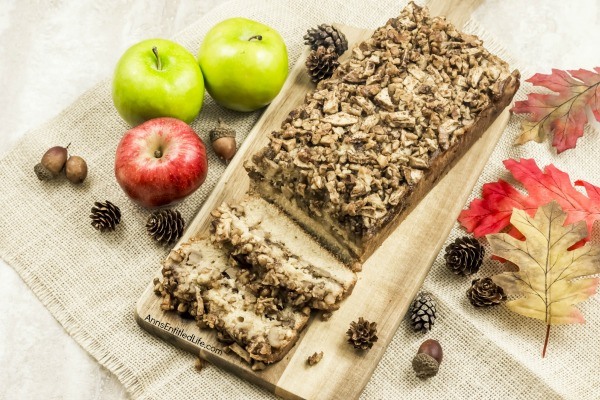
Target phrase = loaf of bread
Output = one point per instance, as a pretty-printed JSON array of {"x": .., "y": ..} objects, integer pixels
[{"x": 370, "y": 142}]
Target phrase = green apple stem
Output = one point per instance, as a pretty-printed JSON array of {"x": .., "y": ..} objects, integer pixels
[
  {"x": 158, "y": 63},
  {"x": 257, "y": 37}
]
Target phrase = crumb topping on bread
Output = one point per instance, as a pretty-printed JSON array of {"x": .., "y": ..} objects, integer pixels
[{"x": 365, "y": 137}]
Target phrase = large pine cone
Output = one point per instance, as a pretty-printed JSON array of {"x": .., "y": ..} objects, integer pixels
[
  {"x": 485, "y": 293},
  {"x": 105, "y": 216},
  {"x": 326, "y": 36},
  {"x": 464, "y": 256},
  {"x": 423, "y": 312},
  {"x": 165, "y": 226},
  {"x": 321, "y": 63},
  {"x": 362, "y": 334}
]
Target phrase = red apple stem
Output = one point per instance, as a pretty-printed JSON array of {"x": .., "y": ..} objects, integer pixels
[
  {"x": 257, "y": 37},
  {"x": 158, "y": 153},
  {"x": 158, "y": 63}
]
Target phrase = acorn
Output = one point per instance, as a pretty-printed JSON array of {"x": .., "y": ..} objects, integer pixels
[
  {"x": 76, "y": 169},
  {"x": 428, "y": 359},
  {"x": 52, "y": 163},
  {"x": 223, "y": 142}
]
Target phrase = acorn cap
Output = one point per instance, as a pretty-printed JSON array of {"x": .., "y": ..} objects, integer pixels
[
  {"x": 425, "y": 366},
  {"x": 42, "y": 172},
  {"x": 222, "y": 130}
]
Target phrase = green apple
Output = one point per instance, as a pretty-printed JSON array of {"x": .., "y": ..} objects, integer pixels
[
  {"x": 157, "y": 78},
  {"x": 244, "y": 63}
]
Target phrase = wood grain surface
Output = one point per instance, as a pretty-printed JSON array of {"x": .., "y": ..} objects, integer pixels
[{"x": 390, "y": 279}]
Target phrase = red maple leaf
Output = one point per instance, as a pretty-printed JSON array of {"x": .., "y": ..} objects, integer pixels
[
  {"x": 563, "y": 113},
  {"x": 491, "y": 213}
]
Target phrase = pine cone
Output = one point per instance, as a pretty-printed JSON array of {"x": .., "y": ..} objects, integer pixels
[
  {"x": 326, "y": 36},
  {"x": 105, "y": 216},
  {"x": 485, "y": 293},
  {"x": 423, "y": 312},
  {"x": 165, "y": 226},
  {"x": 321, "y": 63},
  {"x": 464, "y": 256},
  {"x": 362, "y": 334}
]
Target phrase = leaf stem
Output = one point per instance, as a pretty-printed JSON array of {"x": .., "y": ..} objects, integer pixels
[{"x": 546, "y": 340}]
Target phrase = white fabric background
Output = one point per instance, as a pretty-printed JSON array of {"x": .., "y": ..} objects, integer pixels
[{"x": 50, "y": 54}]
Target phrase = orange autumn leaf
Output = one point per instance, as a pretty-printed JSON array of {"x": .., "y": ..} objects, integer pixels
[
  {"x": 550, "y": 280},
  {"x": 562, "y": 113}
]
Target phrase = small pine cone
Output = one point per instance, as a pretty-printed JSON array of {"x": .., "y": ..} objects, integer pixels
[
  {"x": 485, "y": 293},
  {"x": 165, "y": 226},
  {"x": 326, "y": 36},
  {"x": 423, "y": 312},
  {"x": 105, "y": 216},
  {"x": 362, "y": 334},
  {"x": 464, "y": 256},
  {"x": 321, "y": 63}
]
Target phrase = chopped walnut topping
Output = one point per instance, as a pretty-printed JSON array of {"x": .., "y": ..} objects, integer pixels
[
  {"x": 315, "y": 358},
  {"x": 368, "y": 134},
  {"x": 199, "y": 364},
  {"x": 326, "y": 316},
  {"x": 258, "y": 366},
  {"x": 240, "y": 351}
]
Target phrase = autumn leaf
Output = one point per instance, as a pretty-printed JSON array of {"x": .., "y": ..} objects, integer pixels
[
  {"x": 492, "y": 213},
  {"x": 550, "y": 279},
  {"x": 561, "y": 114}
]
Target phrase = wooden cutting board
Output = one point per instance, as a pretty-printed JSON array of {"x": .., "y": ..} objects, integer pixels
[{"x": 390, "y": 278}]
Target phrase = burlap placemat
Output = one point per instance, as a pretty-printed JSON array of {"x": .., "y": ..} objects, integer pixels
[{"x": 90, "y": 281}]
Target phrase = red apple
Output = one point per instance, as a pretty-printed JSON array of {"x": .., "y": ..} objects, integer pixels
[{"x": 160, "y": 162}]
